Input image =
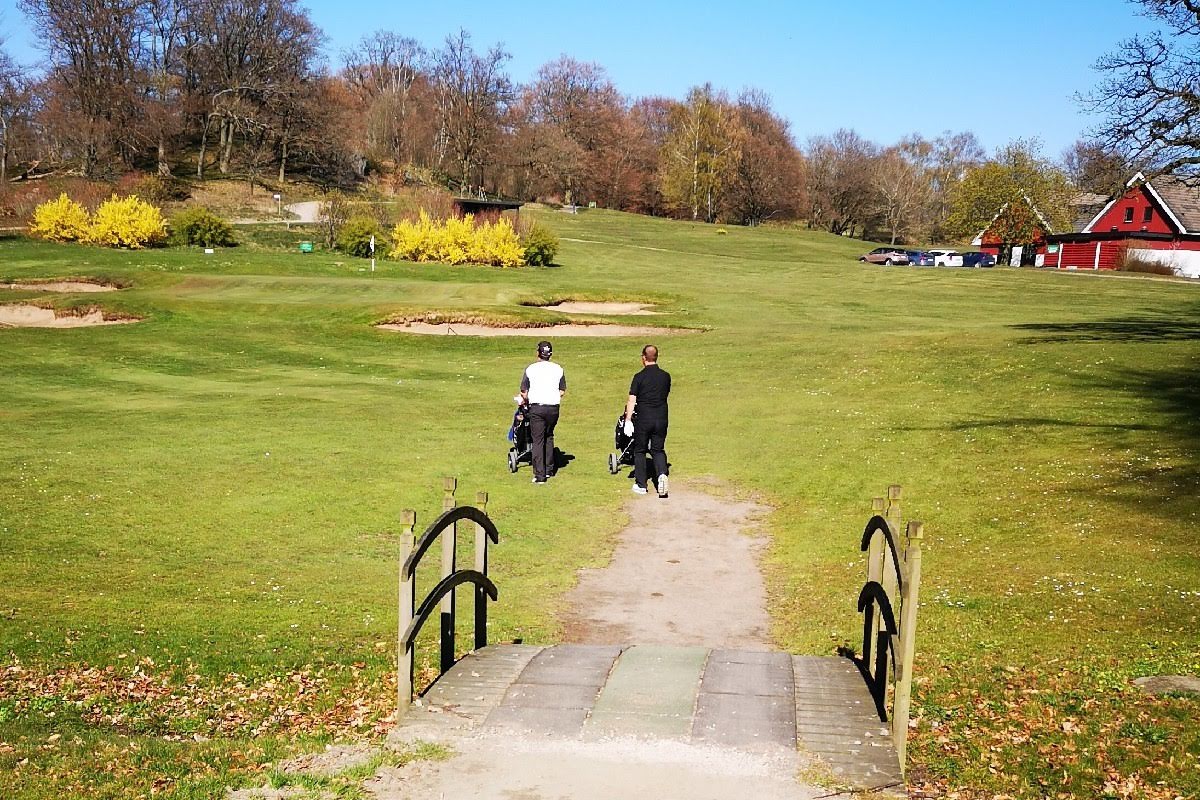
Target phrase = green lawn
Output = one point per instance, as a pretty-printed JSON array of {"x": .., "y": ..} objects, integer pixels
[{"x": 207, "y": 501}]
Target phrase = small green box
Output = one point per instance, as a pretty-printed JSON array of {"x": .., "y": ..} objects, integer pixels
[{"x": 306, "y": 247}]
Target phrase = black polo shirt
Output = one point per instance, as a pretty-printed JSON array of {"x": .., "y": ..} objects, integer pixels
[{"x": 651, "y": 387}]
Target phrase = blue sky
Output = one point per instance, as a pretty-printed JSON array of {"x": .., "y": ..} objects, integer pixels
[{"x": 1003, "y": 68}]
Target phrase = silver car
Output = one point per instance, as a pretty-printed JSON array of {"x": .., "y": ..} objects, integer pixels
[{"x": 885, "y": 255}]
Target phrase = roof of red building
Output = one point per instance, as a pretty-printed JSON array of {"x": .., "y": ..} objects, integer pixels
[
  {"x": 1183, "y": 200},
  {"x": 1179, "y": 199}
]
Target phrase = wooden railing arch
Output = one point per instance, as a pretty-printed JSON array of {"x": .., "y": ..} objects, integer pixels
[
  {"x": 413, "y": 616},
  {"x": 888, "y": 602}
]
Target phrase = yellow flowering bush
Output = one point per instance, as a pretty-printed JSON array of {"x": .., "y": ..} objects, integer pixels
[
  {"x": 127, "y": 222},
  {"x": 415, "y": 241},
  {"x": 61, "y": 220},
  {"x": 458, "y": 241}
]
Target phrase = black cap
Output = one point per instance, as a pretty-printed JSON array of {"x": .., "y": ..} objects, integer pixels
[{"x": 545, "y": 349}]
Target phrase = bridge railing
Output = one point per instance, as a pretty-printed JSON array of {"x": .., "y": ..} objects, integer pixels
[
  {"x": 441, "y": 596},
  {"x": 888, "y": 602}
]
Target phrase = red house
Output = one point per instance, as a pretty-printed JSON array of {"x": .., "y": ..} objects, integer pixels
[
  {"x": 1016, "y": 235},
  {"x": 1157, "y": 219}
]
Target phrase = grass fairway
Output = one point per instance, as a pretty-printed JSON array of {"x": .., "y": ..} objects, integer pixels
[{"x": 205, "y": 502}]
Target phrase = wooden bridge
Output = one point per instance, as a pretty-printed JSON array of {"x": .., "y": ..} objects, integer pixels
[{"x": 839, "y": 720}]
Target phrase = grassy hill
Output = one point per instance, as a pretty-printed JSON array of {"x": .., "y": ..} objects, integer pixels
[{"x": 207, "y": 500}]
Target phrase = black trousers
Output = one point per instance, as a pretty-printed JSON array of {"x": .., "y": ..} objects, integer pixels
[
  {"x": 649, "y": 433},
  {"x": 542, "y": 420}
]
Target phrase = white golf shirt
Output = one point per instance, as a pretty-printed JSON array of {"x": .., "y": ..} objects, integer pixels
[{"x": 544, "y": 380}]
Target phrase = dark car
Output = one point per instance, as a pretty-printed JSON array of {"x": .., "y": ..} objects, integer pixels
[
  {"x": 976, "y": 259},
  {"x": 919, "y": 258},
  {"x": 885, "y": 255}
]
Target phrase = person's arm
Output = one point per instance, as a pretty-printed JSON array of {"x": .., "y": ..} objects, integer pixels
[
  {"x": 631, "y": 403},
  {"x": 525, "y": 386},
  {"x": 562, "y": 385}
]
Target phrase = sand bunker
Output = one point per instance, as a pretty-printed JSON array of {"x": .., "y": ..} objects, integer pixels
[
  {"x": 61, "y": 286},
  {"x": 589, "y": 307},
  {"x": 22, "y": 316},
  {"x": 471, "y": 329}
]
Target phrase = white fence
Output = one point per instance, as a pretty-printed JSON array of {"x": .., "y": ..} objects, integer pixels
[{"x": 1186, "y": 263}]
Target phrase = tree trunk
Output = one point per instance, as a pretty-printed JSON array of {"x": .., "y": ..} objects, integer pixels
[
  {"x": 88, "y": 163},
  {"x": 226, "y": 151},
  {"x": 164, "y": 169},
  {"x": 203, "y": 148},
  {"x": 283, "y": 154}
]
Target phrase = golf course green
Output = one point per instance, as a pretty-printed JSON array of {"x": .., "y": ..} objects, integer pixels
[{"x": 206, "y": 503}]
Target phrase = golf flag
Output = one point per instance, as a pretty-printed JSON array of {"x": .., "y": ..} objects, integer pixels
[{"x": 372, "y": 244}]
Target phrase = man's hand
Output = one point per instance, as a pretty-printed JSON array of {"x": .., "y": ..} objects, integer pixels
[{"x": 628, "y": 427}]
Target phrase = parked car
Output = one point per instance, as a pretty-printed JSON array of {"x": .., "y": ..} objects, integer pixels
[
  {"x": 946, "y": 258},
  {"x": 919, "y": 258},
  {"x": 885, "y": 255},
  {"x": 976, "y": 259}
]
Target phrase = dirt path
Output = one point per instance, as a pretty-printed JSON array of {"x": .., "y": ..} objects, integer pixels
[
  {"x": 306, "y": 212},
  {"x": 512, "y": 768},
  {"x": 685, "y": 572}
]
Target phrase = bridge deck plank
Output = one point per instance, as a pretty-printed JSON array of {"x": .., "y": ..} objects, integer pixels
[{"x": 741, "y": 700}]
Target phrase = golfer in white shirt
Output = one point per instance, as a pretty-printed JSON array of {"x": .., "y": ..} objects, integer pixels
[{"x": 542, "y": 386}]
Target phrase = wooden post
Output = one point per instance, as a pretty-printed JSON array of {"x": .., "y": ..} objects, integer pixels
[
  {"x": 481, "y": 565},
  {"x": 890, "y": 568},
  {"x": 407, "y": 600},
  {"x": 449, "y": 548},
  {"x": 908, "y": 637}
]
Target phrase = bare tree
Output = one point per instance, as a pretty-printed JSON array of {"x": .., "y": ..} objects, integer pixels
[
  {"x": 902, "y": 187},
  {"x": 167, "y": 35},
  {"x": 472, "y": 93},
  {"x": 386, "y": 73},
  {"x": 840, "y": 185},
  {"x": 1094, "y": 168},
  {"x": 1150, "y": 94},
  {"x": 954, "y": 154},
  {"x": 576, "y": 105},
  {"x": 253, "y": 61},
  {"x": 767, "y": 178},
  {"x": 646, "y": 130},
  {"x": 13, "y": 100},
  {"x": 94, "y": 48}
]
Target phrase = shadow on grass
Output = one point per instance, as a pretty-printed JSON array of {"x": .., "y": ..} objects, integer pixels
[
  {"x": 1174, "y": 392},
  {"x": 1031, "y": 422},
  {"x": 1133, "y": 329},
  {"x": 1165, "y": 480}
]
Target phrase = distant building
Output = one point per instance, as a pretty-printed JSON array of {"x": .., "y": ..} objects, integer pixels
[
  {"x": 483, "y": 209},
  {"x": 1016, "y": 235},
  {"x": 1157, "y": 220}
]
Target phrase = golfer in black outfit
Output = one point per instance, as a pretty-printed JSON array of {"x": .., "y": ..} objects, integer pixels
[{"x": 648, "y": 399}]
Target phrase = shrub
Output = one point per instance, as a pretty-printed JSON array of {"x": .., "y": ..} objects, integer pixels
[
  {"x": 127, "y": 222},
  {"x": 1136, "y": 262},
  {"x": 61, "y": 220},
  {"x": 457, "y": 241},
  {"x": 541, "y": 246},
  {"x": 202, "y": 228},
  {"x": 354, "y": 238},
  {"x": 502, "y": 245},
  {"x": 334, "y": 211},
  {"x": 162, "y": 188},
  {"x": 416, "y": 241}
]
